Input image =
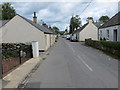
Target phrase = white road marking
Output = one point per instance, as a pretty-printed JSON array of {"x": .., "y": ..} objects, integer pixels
[
  {"x": 71, "y": 47},
  {"x": 85, "y": 63}
]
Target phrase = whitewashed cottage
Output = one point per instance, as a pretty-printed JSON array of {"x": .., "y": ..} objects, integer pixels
[
  {"x": 88, "y": 30},
  {"x": 21, "y": 30},
  {"x": 110, "y": 30}
]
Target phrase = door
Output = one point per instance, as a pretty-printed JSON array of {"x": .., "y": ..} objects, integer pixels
[{"x": 115, "y": 35}]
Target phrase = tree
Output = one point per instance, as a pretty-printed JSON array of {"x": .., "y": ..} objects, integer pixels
[
  {"x": 8, "y": 11},
  {"x": 56, "y": 29},
  {"x": 104, "y": 18},
  {"x": 74, "y": 23}
]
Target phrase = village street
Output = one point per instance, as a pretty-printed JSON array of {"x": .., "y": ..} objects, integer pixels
[{"x": 74, "y": 65}]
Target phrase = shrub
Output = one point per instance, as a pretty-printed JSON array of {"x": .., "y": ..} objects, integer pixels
[
  {"x": 100, "y": 39},
  {"x": 104, "y": 39},
  {"x": 107, "y": 46}
]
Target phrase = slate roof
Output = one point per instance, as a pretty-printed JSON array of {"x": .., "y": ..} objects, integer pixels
[
  {"x": 40, "y": 27},
  {"x": 79, "y": 30},
  {"x": 115, "y": 20},
  {"x": 98, "y": 24},
  {"x": 3, "y": 22}
]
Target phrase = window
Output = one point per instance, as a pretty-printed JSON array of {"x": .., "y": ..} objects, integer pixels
[
  {"x": 101, "y": 33},
  {"x": 108, "y": 35}
]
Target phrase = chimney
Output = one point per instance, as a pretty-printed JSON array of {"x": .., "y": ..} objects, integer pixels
[{"x": 35, "y": 18}]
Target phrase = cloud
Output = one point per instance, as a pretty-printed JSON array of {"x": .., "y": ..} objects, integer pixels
[{"x": 59, "y": 13}]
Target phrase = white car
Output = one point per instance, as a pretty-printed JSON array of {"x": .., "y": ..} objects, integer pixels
[
  {"x": 73, "y": 38},
  {"x": 68, "y": 37}
]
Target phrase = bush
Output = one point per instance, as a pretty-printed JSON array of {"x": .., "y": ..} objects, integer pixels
[
  {"x": 107, "y": 46},
  {"x": 100, "y": 39},
  {"x": 110, "y": 44},
  {"x": 12, "y": 50},
  {"x": 104, "y": 39}
]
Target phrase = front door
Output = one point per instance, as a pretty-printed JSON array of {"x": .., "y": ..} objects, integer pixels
[{"x": 115, "y": 35}]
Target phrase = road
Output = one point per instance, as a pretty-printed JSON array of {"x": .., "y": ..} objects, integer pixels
[{"x": 74, "y": 65}]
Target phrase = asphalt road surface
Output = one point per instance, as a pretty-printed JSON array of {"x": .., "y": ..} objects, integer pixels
[{"x": 74, "y": 65}]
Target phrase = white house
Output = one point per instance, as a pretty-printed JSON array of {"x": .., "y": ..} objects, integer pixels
[
  {"x": 110, "y": 30},
  {"x": 22, "y": 30},
  {"x": 51, "y": 37},
  {"x": 88, "y": 30}
]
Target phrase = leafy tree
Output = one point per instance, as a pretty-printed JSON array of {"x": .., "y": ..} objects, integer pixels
[
  {"x": 90, "y": 18},
  {"x": 8, "y": 11},
  {"x": 56, "y": 29},
  {"x": 104, "y": 18},
  {"x": 74, "y": 23}
]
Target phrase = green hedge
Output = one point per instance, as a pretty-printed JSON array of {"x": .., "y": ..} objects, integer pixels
[
  {"x": 107, "y": 46},
  {"x": 12, "y": 50}
]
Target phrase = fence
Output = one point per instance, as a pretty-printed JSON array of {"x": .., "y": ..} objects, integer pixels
[{"x": 14, "y": 54}]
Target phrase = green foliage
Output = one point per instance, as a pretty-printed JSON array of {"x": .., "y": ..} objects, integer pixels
[
  {"x": 100, "y": 38},
  {"x": 90, "y": 18},
  {"x": 5, "y": 56},
  {"x": 13, "y": 50},
  {"x": 111, "y": 45},
  {"x": 75, "y": 22},
  {"x": 104, "y": 39},
  {"x": 7, "y": 11},
  {"x": 56, "y": 29},
  {"x": 104, "y": 18}
]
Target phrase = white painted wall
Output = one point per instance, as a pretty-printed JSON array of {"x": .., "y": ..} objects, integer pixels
[
  {"x": 90, "y": 31},
  {"x": 47, "y": 37},
  {"x": 19, "y": 30},
  {"x": 111, "y": 33}
]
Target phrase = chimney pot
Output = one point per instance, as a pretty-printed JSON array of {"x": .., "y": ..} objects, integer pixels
[{"x": 35, "y": 18}]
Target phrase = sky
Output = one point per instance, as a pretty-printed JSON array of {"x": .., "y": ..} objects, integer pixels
[{"x": 59, "y": 13}]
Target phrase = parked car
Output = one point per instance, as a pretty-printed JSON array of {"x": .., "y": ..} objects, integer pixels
[
  {"x": 73, "y": 38},
  {"x": 68, "y": 37}
]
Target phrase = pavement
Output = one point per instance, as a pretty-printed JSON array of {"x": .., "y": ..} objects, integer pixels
[
  {"x": 13, "y": 79},
  {"x": 74, "y": 65}
]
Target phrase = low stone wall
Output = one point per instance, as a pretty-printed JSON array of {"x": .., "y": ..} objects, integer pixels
[{"x": 108, "y": 46}]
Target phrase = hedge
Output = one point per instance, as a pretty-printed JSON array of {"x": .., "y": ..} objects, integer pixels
[
  {"x": 107, "y": 46},
  {"x": 13, "y": 50}
]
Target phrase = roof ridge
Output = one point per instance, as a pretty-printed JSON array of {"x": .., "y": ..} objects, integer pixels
[
  {"x": 110, "y": 20},
  {"x": 40, "y": 27}
]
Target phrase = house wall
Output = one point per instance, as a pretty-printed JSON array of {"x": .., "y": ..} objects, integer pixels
[
  {"x": 19, "y": 30},
  {"x": 90, "y": 31},
  {"x": 47, "y": 37},
  {"x": 52, "y": 39},
  {"x": 103, "y": 33}
]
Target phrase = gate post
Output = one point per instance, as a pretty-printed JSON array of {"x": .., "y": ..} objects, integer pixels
[{"x": 35, "y": 49}]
